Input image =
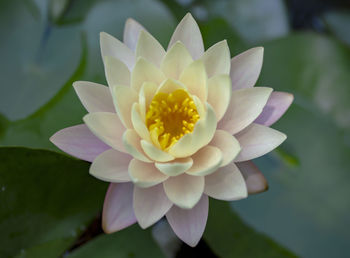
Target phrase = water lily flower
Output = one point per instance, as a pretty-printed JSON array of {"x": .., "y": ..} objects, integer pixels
[{"x": 174, "y": 127}]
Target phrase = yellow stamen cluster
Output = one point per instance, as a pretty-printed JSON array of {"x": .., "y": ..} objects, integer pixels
[{"x": 170, "y": 116}]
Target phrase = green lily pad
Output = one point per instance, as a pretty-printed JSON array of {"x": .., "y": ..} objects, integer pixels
[
  {"x": 46, "y": 201},
  {"x": 338, "y": 22},
  {"x": 254, "y": 20},
  {"x": 131, "y": 242},
  {"x": 37, "y": 58},
  {"x": 229, "y": 237}
]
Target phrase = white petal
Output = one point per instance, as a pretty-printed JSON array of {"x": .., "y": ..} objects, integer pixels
[
  {"x": 150, "y": 204},
  {"x": 175, "y": 61},
  {"x": 228, "y": 145},
  {"x": 116, "y": 72},
  {"x": 94, "y": 97},
  {"x": 175, "y": 167},
  {"x": 124, "y": 97},
  {"x": 217, "y": 59},
  {"x": 132, "y": 31},
  {"x": 145, "y": 174},
  {"x": 149, "y": 48},
  {"x": 254, "y": 179},
  {"x": 219, "y": 94},
  {"x": 107, "y": 127},
  {"x": 189, "y": 225},
  {"x": 245, "y": 106},
  {"x": 138, "y": 123},
  {"x": 194, "y": 78},
  {"x": 118, "y": 212},
  {"x": 246, "y": 67},
  {"x": 184, "y": 190},
  {"x": 110, "y": 46},
  {"x": 205, "y": 161},
  {"x": 202, "y": 134},
  {"x": 111, "y": 166},
  {"x": 79, "y": 142},
  {"x": 146, "y": 95},
  {"x": 189, "y": 34},
  {"x": 132, "y": 144},
  {"x": 145, "y": 71},
  {"x": 226, "y": 184},
  {"x": 257, "y": 140},
  {"x": 154, "y": 153}
]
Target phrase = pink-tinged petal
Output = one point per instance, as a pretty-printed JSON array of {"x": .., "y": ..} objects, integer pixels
[
  {"x": 118, "y": 212},
  {"x": 184, "y": 190},
  {"x": 175, "y": 167},
  {"x": 227, "y": 183},
  {"x": 217, "y": 59},
  {"x": 94, "y": 97},
  {"x": 189, "y": 34},
  {"x": 205, "y": 161},
  {"x": 79, "y": 142},
  {"x": 189, "y": 225},
  {"x": 132, "y": 143},
  {"x": 257, "y": 140},
  {"x": 150, "y": 204},
  {"x": 254, "y": 179},
  {"x": 276, "y": 106},
  {"x": 145, "y": 174},
  {"x": 132, "y": 31},
  {"x": 245, "y": 106},
  {"x": 246, "y": 67},
  {"x": 149, "y": 48},
  {"x": 111, "y": 166},
  {"x": 107, "y": 127},
  {"x": 110, "y": 46},
  {"x": 228, "y": 145}
]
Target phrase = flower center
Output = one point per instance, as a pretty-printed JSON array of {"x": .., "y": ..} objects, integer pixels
[{"x": 170, "y": 116}]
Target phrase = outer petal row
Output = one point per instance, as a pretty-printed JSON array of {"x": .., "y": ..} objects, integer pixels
[
  {"x": 132, "y": 31},
  {"x": 189, "y": 224},
  {"x": 184, "y": 190},
  {"x": 118, "y": 212},
  {"x": 187, "y": 31},
  {"x": 217, "y": 59},
  {"x": 94, "y": 97},
  {"x": 110, "y": 46},
  {"x": 227, "y": 183},
  {"x": 107, "y": 127},
  {"x": 79, "y": 142},
  {"x": 246, "y": 67},
  {"x": 257, "y": 140},
  {"x": 275, "y": 107},
  {"x": 245, "y": 106}
]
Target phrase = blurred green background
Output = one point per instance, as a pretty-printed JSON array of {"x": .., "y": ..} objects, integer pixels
[{"x": 50, "y": 206}]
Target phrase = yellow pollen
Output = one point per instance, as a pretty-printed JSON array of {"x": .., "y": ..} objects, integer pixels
[{"x": 170, "y": 116}]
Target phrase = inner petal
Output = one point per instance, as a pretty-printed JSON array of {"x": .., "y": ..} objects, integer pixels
[{"x": 170, "y": 116}]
